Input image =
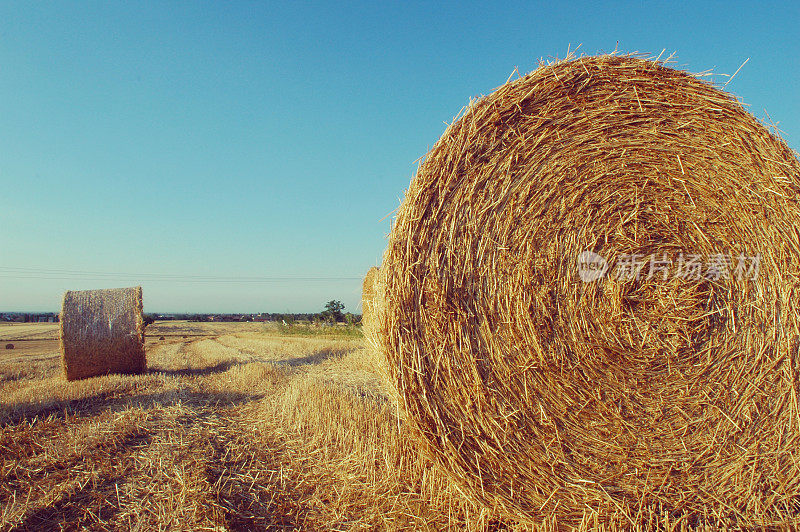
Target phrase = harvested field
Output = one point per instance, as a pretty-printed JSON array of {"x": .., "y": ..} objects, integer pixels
[
  {"x": 28, "y": 331},
  {"x": 31, "y": 347},
  {"x": 243, "y": 430},
  {"x": 182, "y": 328}
]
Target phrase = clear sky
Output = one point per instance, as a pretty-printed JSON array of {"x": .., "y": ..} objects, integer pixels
[{"x": 233, "y": 156}]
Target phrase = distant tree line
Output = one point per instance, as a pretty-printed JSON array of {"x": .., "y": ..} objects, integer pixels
[{"x": 332, "y": 313}]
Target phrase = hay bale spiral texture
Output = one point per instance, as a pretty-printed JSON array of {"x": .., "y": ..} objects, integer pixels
[
  {"x": 552, "y": 395},
  {"x": 102, "y": 332}
]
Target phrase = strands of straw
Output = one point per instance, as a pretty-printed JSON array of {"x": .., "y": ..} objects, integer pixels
[
  {"x": 368, "y": 304},
  {"x": 547, "y": 396},
  {"x": 102, "y": 331}
]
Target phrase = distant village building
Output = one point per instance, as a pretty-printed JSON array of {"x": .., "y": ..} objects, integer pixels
[{"x": 27, "y": 317}]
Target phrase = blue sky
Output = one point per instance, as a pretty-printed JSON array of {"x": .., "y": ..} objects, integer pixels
[{"x": 245, "y": 156}]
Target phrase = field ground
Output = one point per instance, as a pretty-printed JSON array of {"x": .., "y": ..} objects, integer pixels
[{"x": 233, "y": 427}]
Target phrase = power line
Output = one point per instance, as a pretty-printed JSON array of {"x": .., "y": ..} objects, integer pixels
[{"x": 70, "y": 275}]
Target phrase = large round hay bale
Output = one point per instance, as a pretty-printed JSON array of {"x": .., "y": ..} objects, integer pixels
[
  {"x": 554, "y": 379},
  {"x": 102, "y": 332}
]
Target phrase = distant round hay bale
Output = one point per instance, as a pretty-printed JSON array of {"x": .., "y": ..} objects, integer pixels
[
  {"x": 371, "y": 320},
  {"x": 102, "y": 332},
  {"x": 161, "y": 338},
  {"x": 368, "y": 303},
  {"x": 9, "y": 346},
  {"x": 549, "y": 346}
]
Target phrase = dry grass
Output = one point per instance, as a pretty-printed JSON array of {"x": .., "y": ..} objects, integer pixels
[
  {"x": 241, "y": 431},
  {"x": 635, "y": 398},
  {"x": 28, "y": 331},
  {"x": 182, "y": 328}
]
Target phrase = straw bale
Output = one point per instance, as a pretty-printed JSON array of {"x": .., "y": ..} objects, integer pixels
[
  {"x": 368, "y": 303},
  {"x": 102, "y": 332},
  {"x": 550, "y": 396},
  {"x": 9, "y": 346}
]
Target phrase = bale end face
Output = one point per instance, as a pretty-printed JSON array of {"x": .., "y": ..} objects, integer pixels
[
  {"x": 548, "y": 345},
  {"x": 102, "y": 332}
]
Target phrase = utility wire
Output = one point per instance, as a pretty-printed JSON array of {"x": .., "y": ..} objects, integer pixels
[{"x": 54, "y": 274}]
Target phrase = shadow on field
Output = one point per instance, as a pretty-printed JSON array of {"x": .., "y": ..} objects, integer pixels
[
  {"x": 314, "y": 358},
  {"x": 71, "y": 511},
  {"x": 197, "y": 372},
  {"x": 84, "y": 506},
  {"x": 276, "y": 502},
  {"x": 116, "y": 401}
]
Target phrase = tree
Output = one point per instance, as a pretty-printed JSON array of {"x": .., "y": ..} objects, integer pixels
[{"x": 333, "y": 311}]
